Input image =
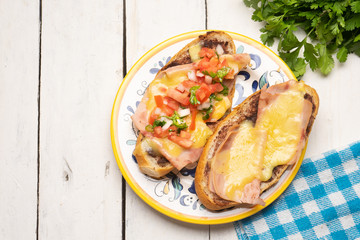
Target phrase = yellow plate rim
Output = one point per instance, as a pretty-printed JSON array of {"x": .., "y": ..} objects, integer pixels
[{"x": 119, "y": 158}]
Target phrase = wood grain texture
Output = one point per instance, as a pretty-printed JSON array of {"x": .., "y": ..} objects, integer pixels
[
  {"x": 149, "y": 23},
  {"x": 337, "y": 123},
  {"x": 234, "y": 16},
  {"x": 19, "y": 70},
  {"x": 80, "y": 183},
  {"x": 80, "y": 192}
]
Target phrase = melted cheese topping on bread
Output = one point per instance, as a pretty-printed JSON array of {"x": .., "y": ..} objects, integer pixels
[
  {"x": 282, "y": 121},
  {"x": 201, "y": 133},
  {"x": 238, "y": 162},
  {"x": 250, "y": 152}
]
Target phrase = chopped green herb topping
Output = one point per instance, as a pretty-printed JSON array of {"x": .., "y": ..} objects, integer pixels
[
  {"x": 207, "y": 112},
  {"x": 225, "y": 91},
  {"x": 220, "y": 74},
  {"x": 193, "y": 99},
  {"x": 178, "y": 121}
]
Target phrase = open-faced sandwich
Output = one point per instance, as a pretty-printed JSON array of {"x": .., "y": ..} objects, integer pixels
[
  {"x": 183, "y": 104},
  {"x": 253, "y": 146}
]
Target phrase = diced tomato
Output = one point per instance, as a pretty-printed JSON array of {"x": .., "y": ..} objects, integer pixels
[
  {"x": 203, "y": 93},
  {"x": 214, "y": 61},
  {"x": 172, "y": 130},
  {"x": 183, "y": 142},
  {"x": 230, "y": 74},
  {"x": 153, "y": 116},
  {"x": 203, "y": 64},
  {"x": 171, "y": 103},
  {"x": 159, "y": 100},
  {"x": 213, "y": 65},
  {"x": 217, "y": 87},
  {"x": 193, "y": 118},
  {"x": 188, "y": 84},
  {"x": 209, "y": 65},
  {"x": 182, "y": 98},
  {"x": 185, "y": 134},
  {"x": 180, "y": 88},
  {"x": 207, "y": 52},
  {"x": 223, "y": 63},
  {"x": 157, "y": 130},
  {"x": 160, "y": 133},
  {"x": 167, "y": 110}
]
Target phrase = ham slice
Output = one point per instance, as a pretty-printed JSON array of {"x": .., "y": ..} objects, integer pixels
[
  {"x": 269, "y": 95},
  {"x": 221, "y": 182},
  {"x": 140, "y": 118},
  {"x": 236, "y": 62},
  {"x": 186, "y": 157}
]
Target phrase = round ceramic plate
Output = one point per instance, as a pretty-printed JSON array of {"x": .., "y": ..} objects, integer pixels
[{"x": 175, "y": 195}]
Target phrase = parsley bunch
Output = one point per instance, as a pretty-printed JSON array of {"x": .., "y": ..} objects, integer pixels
[{"x": 330, "y": 27}]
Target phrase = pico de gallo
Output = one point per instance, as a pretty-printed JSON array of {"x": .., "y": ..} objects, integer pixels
[{"x": 196, "y": 95}]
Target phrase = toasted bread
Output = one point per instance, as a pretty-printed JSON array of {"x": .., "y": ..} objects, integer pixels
[
  {"x": 151, "y": 162},
  {"x": 247, "y": 110}
]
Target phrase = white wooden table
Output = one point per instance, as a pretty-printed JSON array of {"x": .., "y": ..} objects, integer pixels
[{"x": 61, "y": 63}]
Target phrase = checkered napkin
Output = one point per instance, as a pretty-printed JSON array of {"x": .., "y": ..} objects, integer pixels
[{"x": 322, "y": 202}]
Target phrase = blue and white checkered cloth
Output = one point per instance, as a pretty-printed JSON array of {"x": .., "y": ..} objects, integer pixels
[{"x": 322, "y": 202}]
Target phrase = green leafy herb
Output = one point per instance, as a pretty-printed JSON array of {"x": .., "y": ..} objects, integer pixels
[
  {"x": 158, "y": 123},
  {"x": 222, "y": 72},
  {"x": 217, "y": 55},
  {"x": 330, "y": 27},
  {"x": 193, "y": 99},
  {"x": 207, "y": 112},
  {"x": 211, "y": 74},
  {"x": 178, "y": 121},
  {"x": 214, "y": 96},
  {"x": 225, "y": 91}
]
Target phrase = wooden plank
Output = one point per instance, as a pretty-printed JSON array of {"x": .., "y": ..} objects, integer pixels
[
  {"x": 19, "y": 71},
  {"x": 223, "y": 231},
  {"x": 148, "y": 23},
  {"x": 338, "y": 117},
  {"x": 80, "y": 183},
  {"x": 238, "y": 18}
]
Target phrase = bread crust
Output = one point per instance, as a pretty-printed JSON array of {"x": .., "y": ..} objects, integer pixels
[
  {"x": 246, "y": 110},
  {"x": 152, "y": 163}
]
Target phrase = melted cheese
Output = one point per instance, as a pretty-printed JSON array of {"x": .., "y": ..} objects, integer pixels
[
  {"x": 201, "y": 133},
  {"x": 169, "y": 79},
  {"x": 220, "y": 107},
  {"x": 256, "y": 150},
  {"x": 170, "y": 147},
  {"x": 282, "y": 119},
  {"x": 199, "y": 137},
  {"x": 194, "y": 52},
  {"x": 240, "y": 163}
]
